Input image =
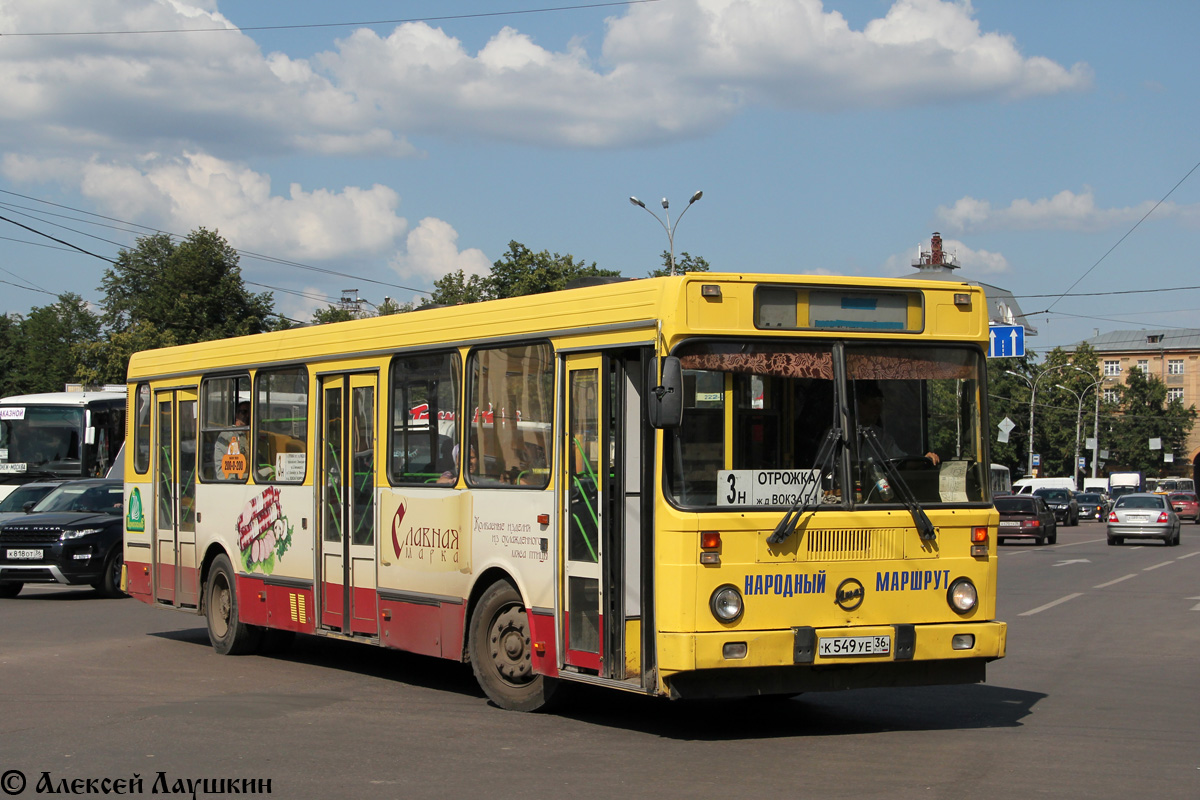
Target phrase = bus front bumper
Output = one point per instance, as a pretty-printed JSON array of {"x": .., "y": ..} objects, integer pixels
[{"x": 792, "y": 660}]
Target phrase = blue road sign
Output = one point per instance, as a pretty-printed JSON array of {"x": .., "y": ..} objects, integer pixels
[{"x": 1006, "y": 341}]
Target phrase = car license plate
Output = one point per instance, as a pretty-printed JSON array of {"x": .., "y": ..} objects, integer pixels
[
  {"x": 1009, "y": 523},
  {"x": 1138, "y": 518},
  {"x": 855, "y": 646},
  {"x": 24, "y": 555}
]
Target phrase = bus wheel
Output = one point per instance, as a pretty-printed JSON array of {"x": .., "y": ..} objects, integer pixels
[
  {"x": 229, "y": 636},
  {"x": 10, "y": 589},
  {"x": 501, "y": 652}
]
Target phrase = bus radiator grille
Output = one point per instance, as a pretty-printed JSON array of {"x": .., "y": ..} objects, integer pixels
[{"x": 853, "y": 544}]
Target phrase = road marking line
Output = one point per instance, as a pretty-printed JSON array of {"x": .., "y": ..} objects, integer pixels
[
  {"x": 1076, "y": 544},
  {"x": 1118, "y": 580},
  {"x": 1189, "y": 555},
  {"x": 1051, "y": 605},
  {"x": 1156, "y": 566}
]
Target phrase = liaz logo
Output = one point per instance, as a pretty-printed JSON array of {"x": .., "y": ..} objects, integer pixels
[
  {"x": 849, "y": 594},
  {"x": 135, "y": 520}
]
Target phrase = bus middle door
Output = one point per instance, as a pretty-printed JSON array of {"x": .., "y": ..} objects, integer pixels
[
  {"x": 346, "y": 496},
  {"x": 601, "y": 500},
  {"x": 176, "y": 578}
]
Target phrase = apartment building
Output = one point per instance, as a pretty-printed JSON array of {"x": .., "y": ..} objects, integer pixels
[{"x": 1172, "y": 356}]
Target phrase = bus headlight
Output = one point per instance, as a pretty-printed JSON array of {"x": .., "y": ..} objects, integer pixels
[
  {"x": 962, "y": 595},
  {"x": 726, "y": 603}
]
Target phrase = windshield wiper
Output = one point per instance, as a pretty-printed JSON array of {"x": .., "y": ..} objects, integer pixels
[
  {"x": 787, "y": 525},
  {"x": 920, "y": 519}
]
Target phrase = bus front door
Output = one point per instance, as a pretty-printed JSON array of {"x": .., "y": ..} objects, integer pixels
[
  {"x": 176, "y": 578},
  {"x": 604, "y": 548},
  {"x": 346, "y": 495}
]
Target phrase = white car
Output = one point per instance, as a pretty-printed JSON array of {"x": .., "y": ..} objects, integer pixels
[{"x": 1143, "y": 516}]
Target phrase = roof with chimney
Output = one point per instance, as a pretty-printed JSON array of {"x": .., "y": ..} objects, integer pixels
[{"x": 937, "y": 265}]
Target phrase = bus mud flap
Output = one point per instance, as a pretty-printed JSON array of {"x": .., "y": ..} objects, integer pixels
[
  {"x": 906, "y": 642},
  {"x": 804, "y": 646}
]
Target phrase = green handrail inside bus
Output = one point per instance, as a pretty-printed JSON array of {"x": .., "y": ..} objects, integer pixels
[{"x": 586, "y": 541}]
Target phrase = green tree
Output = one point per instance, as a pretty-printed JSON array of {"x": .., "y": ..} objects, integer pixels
[
  {"x": 520, "y": 272},
  {"x": 332, "y": 313},
  {"x": 10, "y": 330},
  {"x": 45, "y": 346},
  {"x": 106, "y": 360},
  {"x": 1008, "y": 398},
  {"x": 685, "y": 263},
  {"x": 456, "y": 288},
  {"x": 389, "y": 307},
  {"x": 1146, "y": 414},
  {"x": 191, "y": 290}
]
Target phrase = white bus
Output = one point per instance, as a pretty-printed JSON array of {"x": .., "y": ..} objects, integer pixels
[
  {"x": 1001, "y": 479},
  {"x": 59, "y": 435}
]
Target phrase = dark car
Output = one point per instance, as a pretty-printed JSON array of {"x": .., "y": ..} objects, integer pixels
[
  {"x": 1092, "y": 506},
  {"x": 1062, "y": 502},
  {"x": 1186, "y": 505},
  {"x": 72, "y": 536},
  {"x": 25, "y": 494},
  {"x": 1025, "y": 516}
]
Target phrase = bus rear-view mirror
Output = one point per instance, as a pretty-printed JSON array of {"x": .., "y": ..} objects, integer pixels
[{"x": 666, "y": 400}]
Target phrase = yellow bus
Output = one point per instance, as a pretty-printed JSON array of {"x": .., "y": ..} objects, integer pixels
[{"x": 707, "y": 485}]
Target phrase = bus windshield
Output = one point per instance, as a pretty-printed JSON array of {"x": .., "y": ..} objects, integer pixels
[
  {"x": 59, "y": 434},
  {"x": 757, "y": 414},
  {"x": 41, "y": 438}
]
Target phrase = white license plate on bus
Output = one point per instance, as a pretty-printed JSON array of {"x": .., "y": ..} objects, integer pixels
[
  {"x": 855, "y": 646},
  {"x": 24, "y": 555}
]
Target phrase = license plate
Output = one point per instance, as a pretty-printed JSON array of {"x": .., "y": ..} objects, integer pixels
[
  {"x": 855, "y": 646},
  {"x": 1009, "y": 523},
  {"x": 24, "y": 555},
  {"x": 1138, "y": 518}
]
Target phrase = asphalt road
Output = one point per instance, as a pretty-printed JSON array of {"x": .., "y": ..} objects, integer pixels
[{"x": 1099, "y": 697}]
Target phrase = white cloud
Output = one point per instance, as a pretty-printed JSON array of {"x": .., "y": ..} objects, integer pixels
[
  {"x": 180, "y": 194},
  {"x": 797, "y": 55},
  {"x": 667, "y": 70},
  {"x": 1064, "y": 211},
  {"x": 432, "y": 251}
]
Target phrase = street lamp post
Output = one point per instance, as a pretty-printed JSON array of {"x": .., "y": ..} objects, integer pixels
[
  {"x": 1096, "y": 428},
  {"x": 1033, "y": 384},
  {"x": 667, "y": 226},
  {"x": 1079, "y": 421}
]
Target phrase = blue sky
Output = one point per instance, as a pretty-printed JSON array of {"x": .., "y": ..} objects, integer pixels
[{"x": 827, "y": 137}]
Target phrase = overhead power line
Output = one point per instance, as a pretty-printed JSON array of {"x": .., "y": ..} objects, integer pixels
[
  {"x": 244, "y": 253},
  {"x": 60, "y": 241},
  {"x": 1123, "y": 238},
  {"x": 1104, "y": 294},
  {"x": 368, "y": 23}
]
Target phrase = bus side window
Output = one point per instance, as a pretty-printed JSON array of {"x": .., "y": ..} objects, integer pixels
[
  {"x": 510, "y": 399},
  {"x": 225, "y": 428},
  {"x": 424, "y": 401},
  {"x": 141, "y": 429},
  {"x": 281, "y": 425}
]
